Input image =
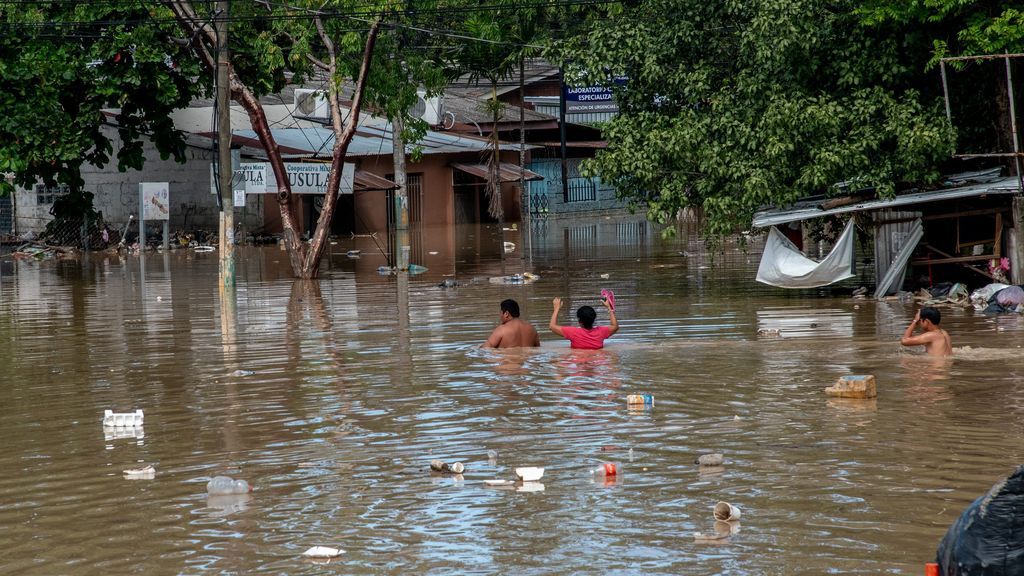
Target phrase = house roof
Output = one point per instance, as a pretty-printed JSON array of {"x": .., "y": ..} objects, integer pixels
[
  {"x": 507, "y": 172},
  {"x": 809, "y": 209}
]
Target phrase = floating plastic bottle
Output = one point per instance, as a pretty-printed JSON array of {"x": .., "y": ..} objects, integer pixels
[
  {"x": 640, "y": 401},
  {"x": 225, "y": 485},
  {"x": 441, "y": 466},
  {"x": 607, "y": 469},
  {"x": 492, "y": 456}
]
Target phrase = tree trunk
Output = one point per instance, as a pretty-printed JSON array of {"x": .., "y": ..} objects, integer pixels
[
  {"x": 494, "y": 205},
  {"x": 342, "y": 137}
]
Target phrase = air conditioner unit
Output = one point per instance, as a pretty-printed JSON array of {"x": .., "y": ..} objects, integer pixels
[
  {"x": 430, "y": 110},
  {"x": 311, "y": 104}
]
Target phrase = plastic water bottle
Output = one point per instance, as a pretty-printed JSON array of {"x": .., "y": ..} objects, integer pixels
[
  {"x": 225, "y": 485},
  {"x": 492, "y": 457},
  {"x": 607, "y": 469}
]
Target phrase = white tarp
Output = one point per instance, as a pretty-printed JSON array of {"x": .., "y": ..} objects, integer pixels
[{"x": 784, "y": 266}]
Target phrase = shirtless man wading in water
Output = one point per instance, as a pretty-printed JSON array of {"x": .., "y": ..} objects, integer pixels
[
  {"x": 935, "y": 340},
  {"x": 513, "y": 332}
]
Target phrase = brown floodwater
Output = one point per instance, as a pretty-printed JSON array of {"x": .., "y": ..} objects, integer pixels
[{"x": 332, "y": 397}]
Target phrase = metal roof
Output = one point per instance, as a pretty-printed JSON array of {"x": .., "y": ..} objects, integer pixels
[
  {"x": 507, "y": 172},
  {"x": 366, "y": 181},
  {"x": 368, "y": 141},
  {"x": 805, "y": 211}
]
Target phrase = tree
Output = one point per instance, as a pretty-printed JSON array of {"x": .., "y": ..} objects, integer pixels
[
  {"x": 58, "y": 73},
  {"x": 269, "y": 32},
  {"x": 497, "y": 40},
  {"x": 738, "y": 104}
]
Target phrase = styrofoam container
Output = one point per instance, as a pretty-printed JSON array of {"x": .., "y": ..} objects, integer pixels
[
  {"x": 122, "y": 419},
  {"x": 529, "y": 474}
]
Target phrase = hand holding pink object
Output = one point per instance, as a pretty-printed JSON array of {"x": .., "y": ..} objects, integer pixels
[{"x": 609, "y": 298}]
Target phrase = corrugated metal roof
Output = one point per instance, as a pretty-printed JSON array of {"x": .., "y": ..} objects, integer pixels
[
  {"x": 508, "y": 172},
  {"x": 776, "y": 216},
  {"x": 368, "y": 141},
  {"x": 366, "y": 181}
]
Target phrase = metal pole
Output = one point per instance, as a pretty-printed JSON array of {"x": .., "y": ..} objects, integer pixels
[
  {"x": 945, "y": 91},
  {"x": 561, "y": 134},
  {"x": 227, "y": 205}
]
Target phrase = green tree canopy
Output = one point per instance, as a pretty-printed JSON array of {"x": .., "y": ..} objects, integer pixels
[
  {"x": 62, "y": 63},
  {"x": 734, "y": 105}
]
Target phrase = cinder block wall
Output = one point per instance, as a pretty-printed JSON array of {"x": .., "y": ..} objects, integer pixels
[{"x": 193, "y": 206}]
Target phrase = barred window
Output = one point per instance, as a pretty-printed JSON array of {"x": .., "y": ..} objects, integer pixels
[{"x": 47, "y": 194}]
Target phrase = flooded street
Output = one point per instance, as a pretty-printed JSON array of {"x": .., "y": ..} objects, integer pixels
[{"x": 332, "y": 402}]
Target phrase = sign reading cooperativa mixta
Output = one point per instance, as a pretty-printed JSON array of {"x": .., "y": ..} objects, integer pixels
[{"x": 259, "y": 178}]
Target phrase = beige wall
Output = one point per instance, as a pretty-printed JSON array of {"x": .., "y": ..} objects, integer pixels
[{"x": 438, "y": 194}]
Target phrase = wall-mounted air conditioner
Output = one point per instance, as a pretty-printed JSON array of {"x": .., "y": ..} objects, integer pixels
[
  {"x": 430, "y": 110},
  {"x": 311, "y": 104}
]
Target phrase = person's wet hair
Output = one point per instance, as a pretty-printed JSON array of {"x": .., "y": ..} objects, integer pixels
[
  {"x": 510, "y": 306},
  {"x": 931, "y": 314},
  {"x": 586, "y": 315}
]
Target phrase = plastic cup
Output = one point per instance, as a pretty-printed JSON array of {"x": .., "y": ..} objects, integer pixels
[
  {"x": 726, "y": 512},
  {"x": 931, "y": 569}
]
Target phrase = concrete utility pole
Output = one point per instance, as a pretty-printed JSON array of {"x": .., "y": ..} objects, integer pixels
[
  {"x": 401, "y": 196},
  {"x": 225, "y": 173}
]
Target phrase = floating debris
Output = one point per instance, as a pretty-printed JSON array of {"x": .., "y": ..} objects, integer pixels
[
  {"x": 147, "y": 473},
  {"x": 113, "y": 419},
  {"x": 710, "y": 460},
  {"x": 529, "y": 474},
  {"x": 323, "y": 552}
]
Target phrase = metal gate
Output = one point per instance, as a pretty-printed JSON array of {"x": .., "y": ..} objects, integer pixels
[{"x": 6, "y": 215}]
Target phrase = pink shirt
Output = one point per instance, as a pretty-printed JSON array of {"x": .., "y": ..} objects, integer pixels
[{"x": 583, "y": 339}]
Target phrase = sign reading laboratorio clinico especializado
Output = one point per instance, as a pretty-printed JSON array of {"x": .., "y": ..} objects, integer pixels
[{"x": 305, "y": 178}]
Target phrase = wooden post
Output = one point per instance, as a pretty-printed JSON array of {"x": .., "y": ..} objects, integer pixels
[
  {"x": 227, "y": 203},
  {"x": 1016, "y": 247}
]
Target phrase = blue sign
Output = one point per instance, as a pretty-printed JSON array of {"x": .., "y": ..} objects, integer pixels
[{"x": 591, "y": 98}]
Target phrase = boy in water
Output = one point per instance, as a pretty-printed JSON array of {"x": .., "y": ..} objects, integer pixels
[
  {"x": 512, "y": 332},
  {"x": 935, "y": 340},
  {"x": 586, "y": 336}
]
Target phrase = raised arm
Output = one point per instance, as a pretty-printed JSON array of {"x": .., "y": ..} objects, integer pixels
[
  {"x": 908, "y": 335},
  {"x": 613, "y": 326},
  {"x": 553, "y": 324}
]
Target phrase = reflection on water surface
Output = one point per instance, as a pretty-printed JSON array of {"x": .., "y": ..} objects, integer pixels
[{"x": 332, "y": 402}]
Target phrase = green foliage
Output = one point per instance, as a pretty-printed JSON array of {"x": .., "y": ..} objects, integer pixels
[
  {"x": 62, "y": 74},
  {"x": 738, "y": 104}
]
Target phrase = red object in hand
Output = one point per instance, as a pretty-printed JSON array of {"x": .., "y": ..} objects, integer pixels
[
  {"x": 931, "y": 569},
  {"x": 609, "y": 297}
]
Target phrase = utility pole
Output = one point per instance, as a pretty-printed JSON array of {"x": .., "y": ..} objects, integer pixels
[
  {"x": 226, "y": 168},
  {"x": 401, "y": 196}
]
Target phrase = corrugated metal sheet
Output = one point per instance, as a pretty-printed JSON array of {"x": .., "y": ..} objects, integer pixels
[
  {"x": 776, "y": 216},
  {"x": 507, "y": 172},
  {"x": 578, "y": 118},
  {"x": 365, "y": 181},
  {"x": 890, "y": 238}
]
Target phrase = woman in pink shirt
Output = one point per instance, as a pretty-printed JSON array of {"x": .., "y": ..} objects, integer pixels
[{"x": 586, "y": 336}]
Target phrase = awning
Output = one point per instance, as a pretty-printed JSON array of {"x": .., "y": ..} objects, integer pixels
[
  {"x": 366, "y": 181},
  {"x": 776, "y": 216},
  {"x": 507, "y": 172}
]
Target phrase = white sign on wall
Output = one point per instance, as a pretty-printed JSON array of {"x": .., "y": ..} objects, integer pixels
[
  {"x": 305, "y": 178},
  {"x": 239, "y": 195},
  {"x": 154, "y": 200}
]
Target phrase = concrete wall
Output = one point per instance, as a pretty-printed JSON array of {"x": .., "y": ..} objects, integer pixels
[{"x": 193, "y": 207}]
